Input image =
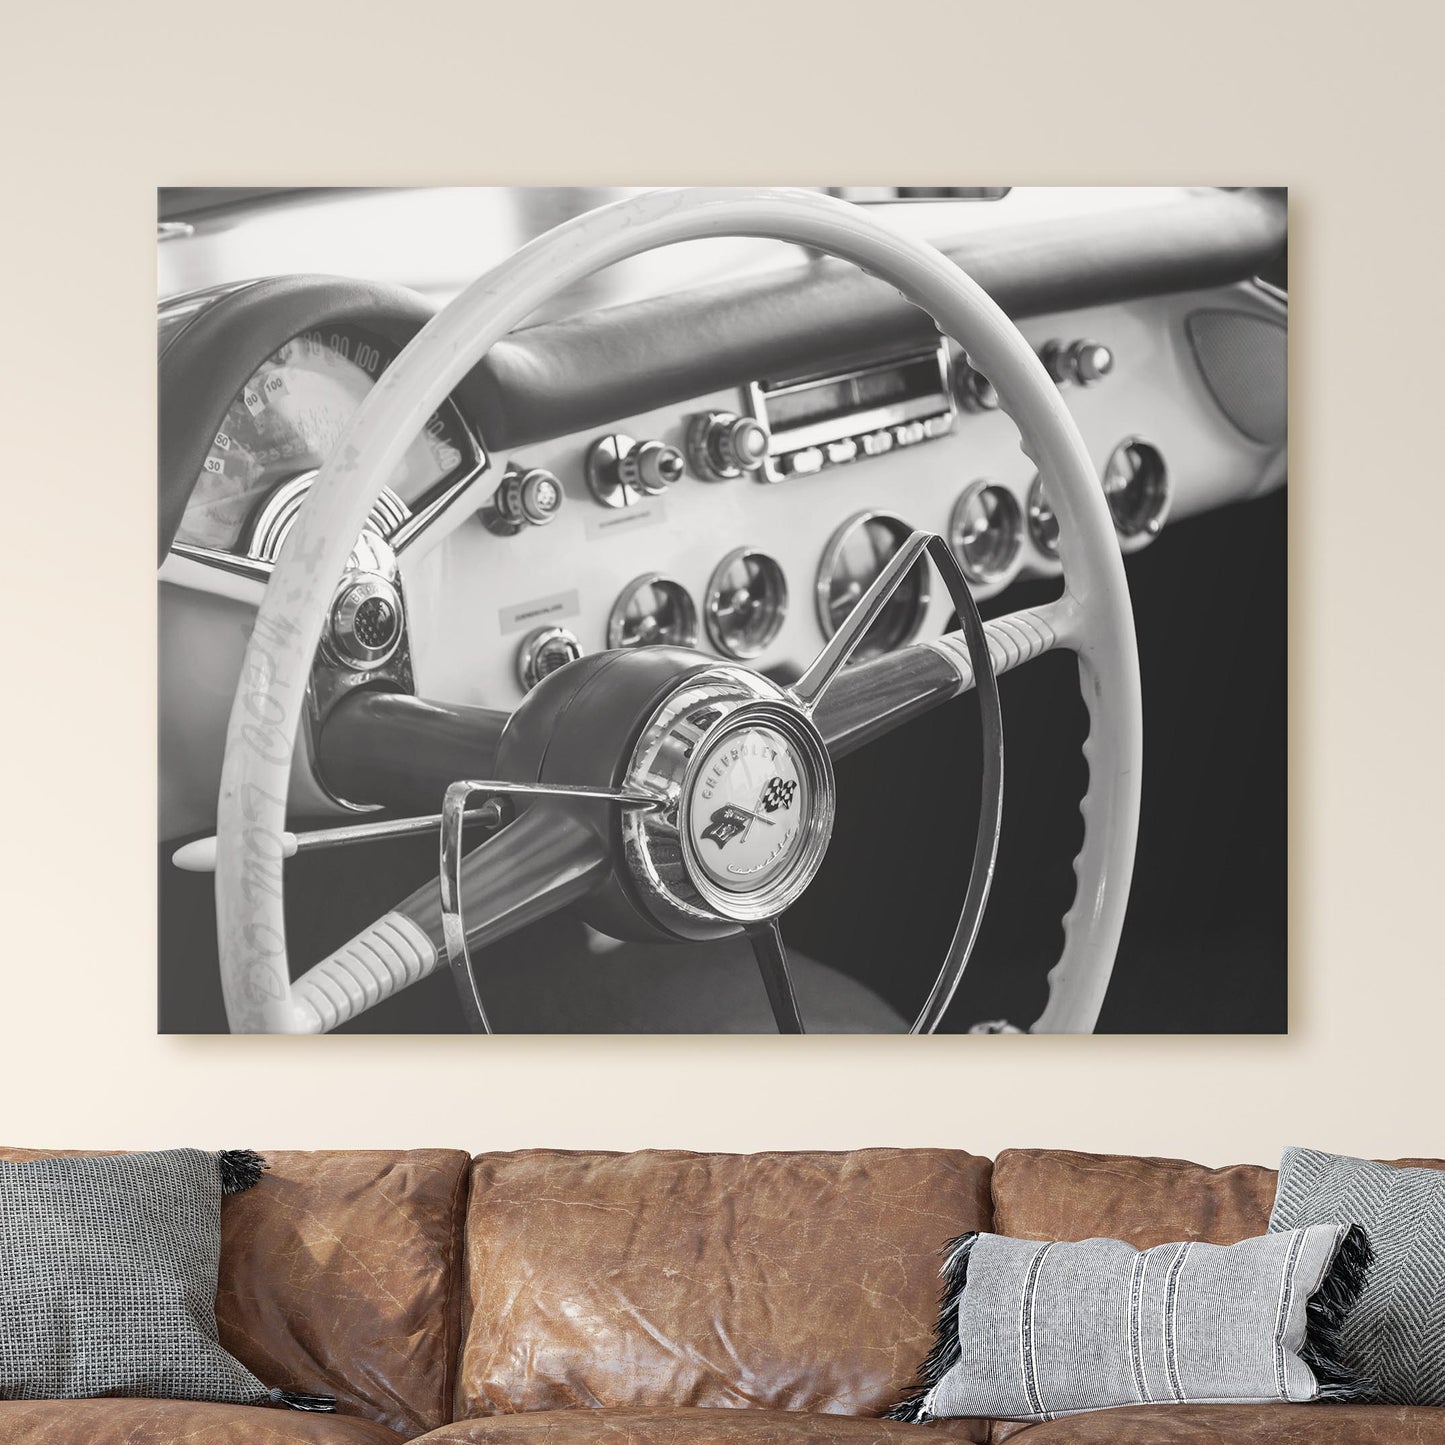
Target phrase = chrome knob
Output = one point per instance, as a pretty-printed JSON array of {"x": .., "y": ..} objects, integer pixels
[
  {"x": 543, "y": 652},
  {"x": 1091, "y": 361},
  {"x": 620, "y": 470},
  {"x": 722, "y": 444},
  {"x": 1080, "y": 362},
  {"x": 365, "y": 622},
  {"x": 650, "y": 468},
  {"x": 530, "y": 497},
  {"x": 974, "y": 390}
]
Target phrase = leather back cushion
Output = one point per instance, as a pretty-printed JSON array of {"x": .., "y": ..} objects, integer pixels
[
  {"x": 789, "y": 1281},
  {"x": 341, "y": 1274},
  {"x": 1061, "y": 1194}
]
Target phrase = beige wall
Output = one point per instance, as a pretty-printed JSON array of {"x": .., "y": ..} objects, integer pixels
[{"x": 100, "y": 104}]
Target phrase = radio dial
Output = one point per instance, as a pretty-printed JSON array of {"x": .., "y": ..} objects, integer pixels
[{"x": 721, "y": 444}]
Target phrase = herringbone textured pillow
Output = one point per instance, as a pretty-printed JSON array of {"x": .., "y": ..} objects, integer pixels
[
  {"x": 1396, "y": 1334},
  {"x": 108, "y": 1278}
]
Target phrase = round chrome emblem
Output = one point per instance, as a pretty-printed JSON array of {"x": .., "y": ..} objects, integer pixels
[
  {"x": 748, "y": 809},
  {"x": 750, "y": 804}
]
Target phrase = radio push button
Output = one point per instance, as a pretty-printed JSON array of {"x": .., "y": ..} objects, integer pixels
[
  {"x": 803, "y": 463},
  {"x": 876, "y": 443}
]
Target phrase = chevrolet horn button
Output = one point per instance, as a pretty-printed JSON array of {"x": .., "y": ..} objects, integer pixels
[{"x": 747, "y": 808}]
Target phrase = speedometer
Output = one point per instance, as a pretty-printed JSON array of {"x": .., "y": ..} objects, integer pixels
[{"x": 286, "y": 421}]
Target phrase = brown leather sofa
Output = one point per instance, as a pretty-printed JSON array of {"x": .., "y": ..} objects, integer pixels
[{"x": 659, "y": 1298}]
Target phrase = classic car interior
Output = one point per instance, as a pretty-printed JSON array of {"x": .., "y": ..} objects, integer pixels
[{"x": 718, "y": 464}]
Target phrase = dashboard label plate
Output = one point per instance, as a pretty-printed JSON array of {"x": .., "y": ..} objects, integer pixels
[
  {"x": 626, "y": 519},
  {"x": 539, "y": 611}
]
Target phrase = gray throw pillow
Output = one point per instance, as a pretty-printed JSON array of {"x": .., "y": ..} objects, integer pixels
[
  {"x": 108, "y": 1279},
  {"x": 1031, "y": 1331},
  {"x": 1396, "y": 1335}
]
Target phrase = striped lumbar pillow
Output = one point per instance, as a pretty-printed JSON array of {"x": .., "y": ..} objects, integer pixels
[
  {"x": 1396, "y": 1335},
  {"x": 1031, "y": 1331}
]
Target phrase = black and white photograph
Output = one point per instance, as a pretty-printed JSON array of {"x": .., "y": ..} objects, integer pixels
[{"x": 826, "y": 609}]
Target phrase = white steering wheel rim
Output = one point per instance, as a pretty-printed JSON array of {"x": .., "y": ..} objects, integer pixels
[{"x": 271, "y": 690}]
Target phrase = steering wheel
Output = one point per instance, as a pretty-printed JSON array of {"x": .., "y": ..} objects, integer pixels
[{"x": 660, "y": 793}]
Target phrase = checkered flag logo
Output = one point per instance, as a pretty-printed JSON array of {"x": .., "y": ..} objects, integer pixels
[{"x": 778, "y": 794}]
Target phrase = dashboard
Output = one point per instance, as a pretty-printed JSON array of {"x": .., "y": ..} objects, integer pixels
[{"x": 744, "y": 519}]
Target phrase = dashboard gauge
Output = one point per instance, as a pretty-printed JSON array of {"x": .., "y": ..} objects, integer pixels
[
  {"x": 859, "y": 550},
  {"x": 651, "y": 611},
  {"x": 286, "y": 421},
  {"x": 1043, "y": 524},
  {"x": 543, "y": 652},
  {"x": 747, "y": 600},
  {"x": 1136, "y": 482},
  {"x": 986, "y": 532}
]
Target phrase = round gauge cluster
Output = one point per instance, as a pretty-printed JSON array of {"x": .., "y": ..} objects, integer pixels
[
  {"x": 653, "y": 611},
  {"x": 1136, "y": 482},
  {"x": 858, "y": 552},
  {"x": 1136, "y": 486},
  {"x": 986, "y": 532},
  {"x": 747, "y": 600}
]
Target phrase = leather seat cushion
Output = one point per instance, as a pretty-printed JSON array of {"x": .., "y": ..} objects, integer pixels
[
  {"x": 642, "y": 1281},
  {"x": 1319, "y": 1424},
  {"x": 166, "y": 1422},
  {"x": 696, "y": 1427}
]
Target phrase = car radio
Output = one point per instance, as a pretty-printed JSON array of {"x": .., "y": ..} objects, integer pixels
[{"x": 822, "y": 421}]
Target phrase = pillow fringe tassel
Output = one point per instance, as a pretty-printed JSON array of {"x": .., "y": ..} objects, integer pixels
[
  {"x": 240, "y": 1169},
  {"x": 1325, "y": 1317},
  {"x": 916, "y": 1407},
  {"x": 315, "y": 1404}
]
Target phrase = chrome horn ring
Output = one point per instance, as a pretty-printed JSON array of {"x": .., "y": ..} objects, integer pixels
[{"x": 729, "y": 757}]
